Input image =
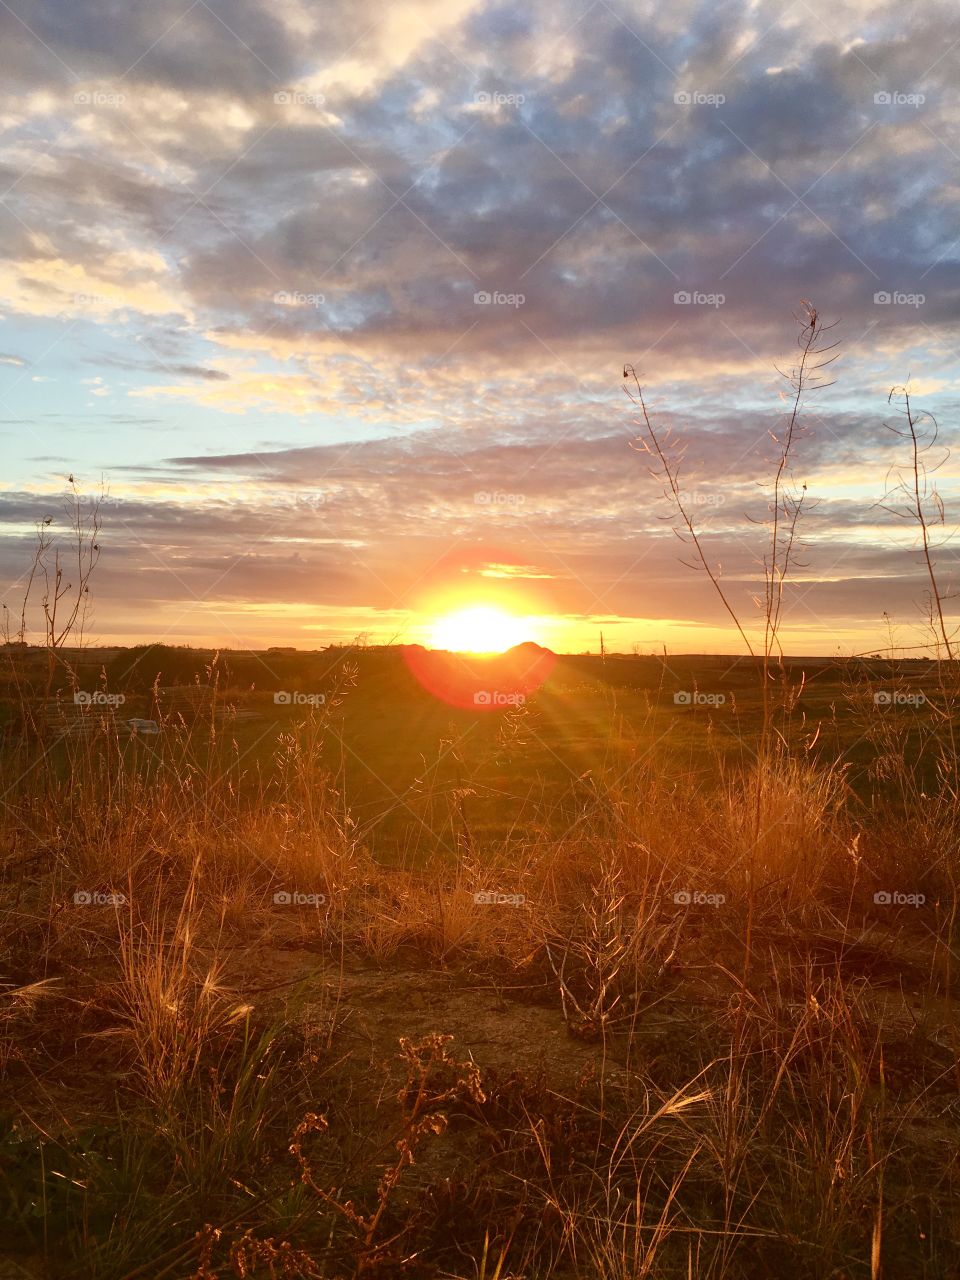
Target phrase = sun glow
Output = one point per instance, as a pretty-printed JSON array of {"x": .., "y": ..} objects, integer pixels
[{"x": 480, "y": 629}]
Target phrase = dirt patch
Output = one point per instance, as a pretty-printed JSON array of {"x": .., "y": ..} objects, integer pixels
[{"x": 375, "y": 1008}]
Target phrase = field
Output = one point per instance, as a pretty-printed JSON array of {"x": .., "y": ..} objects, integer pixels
[{"x": 321, "y": 975}]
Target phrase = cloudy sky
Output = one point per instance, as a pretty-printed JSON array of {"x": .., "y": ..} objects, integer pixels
[{"x": 335, "y": 299}]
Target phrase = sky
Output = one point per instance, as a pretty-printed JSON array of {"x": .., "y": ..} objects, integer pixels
[{"x": 333, "y": 302}]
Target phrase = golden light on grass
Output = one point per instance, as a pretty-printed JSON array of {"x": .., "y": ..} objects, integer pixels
[{"x": 479, "y": 629}]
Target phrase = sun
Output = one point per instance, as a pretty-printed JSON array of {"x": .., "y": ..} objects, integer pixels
[{"x": 480, "y": 629}]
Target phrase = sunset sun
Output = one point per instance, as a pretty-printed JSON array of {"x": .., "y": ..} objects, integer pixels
[{"x": 479, "y": 629}]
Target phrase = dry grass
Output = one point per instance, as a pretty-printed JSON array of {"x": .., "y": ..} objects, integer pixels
[{"x": 719, "y": 1121}]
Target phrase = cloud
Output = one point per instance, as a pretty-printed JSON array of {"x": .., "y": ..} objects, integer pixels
[
  {"x": 448, "y": 226},
  {"x": 598, "y": 196},
  {"x": 581, "y": 522},
  {"x": 48, "y": 285}
]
